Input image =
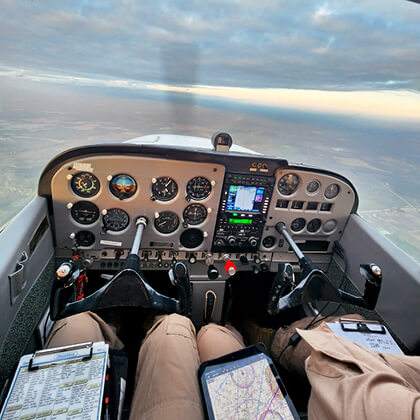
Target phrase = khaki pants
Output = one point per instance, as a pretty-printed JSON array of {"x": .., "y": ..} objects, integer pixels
[
  {"x": 348, "y": 381},
  {"x": 166, "y": 377}
]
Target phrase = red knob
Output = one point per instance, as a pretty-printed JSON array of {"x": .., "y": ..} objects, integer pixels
[{"x": 230, "y": 267}]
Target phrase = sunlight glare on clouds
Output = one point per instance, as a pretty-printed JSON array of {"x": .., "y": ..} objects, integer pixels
[
  {"x": 322, "y": 14},
  {"x": 371, "y": 104}
]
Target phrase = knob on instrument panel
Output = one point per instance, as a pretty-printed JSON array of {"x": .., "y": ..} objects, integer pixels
[
  {"x": 212, "y": 272},
  {"x": 220, "y": 242},
  {"x": 253, "y": 241},
  {"x": 232, "y": 241},
  {"x": 230, "y": 268}
]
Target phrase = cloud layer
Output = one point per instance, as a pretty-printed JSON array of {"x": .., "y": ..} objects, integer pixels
[{"x": 329, "y": 45}]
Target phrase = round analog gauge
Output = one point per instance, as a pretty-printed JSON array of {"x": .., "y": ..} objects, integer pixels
[
  {"x": 198, "y": 188},
  {"x": 85, "y": 212},
  {"x": 85, "y": 238},
  {"x": 167, "y": 222},
  {"x": 298, "y": 224},
  {"x": 116, "y": 220},
  {"x": 287, "y": 184},
  {"x": 123, "y": 186},
  {"x": 313, "y": 186},
  {"x": 195, "y": 214},
  {"x": 269, "y": 241},
  {"x": 332, "y": 191},
  {"x": 85, "y": 184},
  {"x": 164, "y": 188},
  {"x": 314, "y": 225}
]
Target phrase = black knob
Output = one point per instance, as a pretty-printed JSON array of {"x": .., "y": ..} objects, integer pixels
[
  {"x": 373, "y": 279},
  {"x": 264, "y": 267},
  {"x": 279, "y": 227},
  {"x": 253, "y": 241},
  {"x": 231, "y": 240},
  {"x": 212, "y": 272},
  {"x": 180, "y": 270},
  {"x": 220, "y": 242},
  {"x": 244, "y": 260}
]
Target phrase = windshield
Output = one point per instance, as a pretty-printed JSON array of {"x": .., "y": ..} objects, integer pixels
[{"x": 332, "y": 84}]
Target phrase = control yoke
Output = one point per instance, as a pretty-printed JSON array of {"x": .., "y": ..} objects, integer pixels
[
  {"x": 316, "y": 286},
  {"x": 128, "y": 288}
]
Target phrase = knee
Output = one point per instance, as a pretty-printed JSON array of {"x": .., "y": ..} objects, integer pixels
[
  {"x": 172, "y": 325},
  {"x": 215, "y": 340},
  {"x": 74, "y": 329}
]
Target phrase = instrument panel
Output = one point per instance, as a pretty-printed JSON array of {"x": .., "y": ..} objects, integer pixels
[
  {"x": 109, "y": 194},
  {"x": 219, "y": 205}
]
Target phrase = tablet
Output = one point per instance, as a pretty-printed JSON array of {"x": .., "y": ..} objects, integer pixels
[{"x": 245, "y": 385}]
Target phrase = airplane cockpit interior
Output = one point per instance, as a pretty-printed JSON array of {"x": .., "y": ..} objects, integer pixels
[{"x": 216, "y": 233}]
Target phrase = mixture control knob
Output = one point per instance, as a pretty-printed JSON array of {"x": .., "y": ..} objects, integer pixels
[
  {"x": 232, "y": 241},
  {"x": 253, "y": 241},
  {"x": 212, "y": 272},
  {"x": 230, "y": 267}
]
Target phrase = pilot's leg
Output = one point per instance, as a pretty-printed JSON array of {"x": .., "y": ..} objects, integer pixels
[
  {"x": 80, "y": 328},
  {"x": 292, "y": 357},
  {"x": 166, "y": 378},
  {"x": 350, "y": 382},
  {"x": 214, "y": 341}
]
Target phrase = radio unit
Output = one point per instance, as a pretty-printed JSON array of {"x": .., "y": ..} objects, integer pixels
[{"x": 242, "y": 213}]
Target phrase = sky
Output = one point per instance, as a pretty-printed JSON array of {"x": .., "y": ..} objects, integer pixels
[
  {"x": 329, "y": 83},
  {"x": 348, "y": 57}
]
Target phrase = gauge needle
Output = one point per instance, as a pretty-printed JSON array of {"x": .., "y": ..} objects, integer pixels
[
  {"x": 163, "y": 223},
  {"x": 168, "y": 183}
]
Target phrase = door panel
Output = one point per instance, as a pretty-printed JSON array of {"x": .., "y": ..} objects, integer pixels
[
  {"x": 399, "y": 299},
  {"x": 27, "y": 250}
]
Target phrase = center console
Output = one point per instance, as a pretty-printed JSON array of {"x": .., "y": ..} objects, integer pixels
[{"x": 242, "y": 212}]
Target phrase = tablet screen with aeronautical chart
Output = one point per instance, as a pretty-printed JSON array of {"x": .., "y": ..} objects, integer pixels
[{"x": 245, "y": 387}]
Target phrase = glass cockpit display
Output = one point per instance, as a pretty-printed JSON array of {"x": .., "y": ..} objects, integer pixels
[{"x": 245, "y": 198}]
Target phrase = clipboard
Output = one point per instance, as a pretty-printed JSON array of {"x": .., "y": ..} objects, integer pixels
[
  {"x": 46, "y": 352},
  {"x": 369, "y": 334},
  {"x": 352, "y": 324},
  {"x": 60, "y": 383}
]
